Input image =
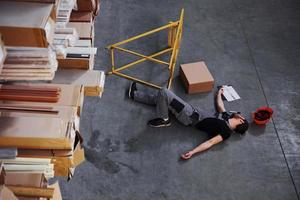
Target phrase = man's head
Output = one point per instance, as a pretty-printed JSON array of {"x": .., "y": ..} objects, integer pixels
[{"x": 242, "y": 124}]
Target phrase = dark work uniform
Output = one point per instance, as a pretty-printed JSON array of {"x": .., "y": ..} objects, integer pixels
[
  {"x": 215, "y": 126},
  {"x": 165, "y": 101}
]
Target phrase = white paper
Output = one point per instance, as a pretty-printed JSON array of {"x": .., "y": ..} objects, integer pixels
[{"x": 230, "y": 94}]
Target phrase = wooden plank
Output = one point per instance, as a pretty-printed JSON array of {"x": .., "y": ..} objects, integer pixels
[
  {"x": 36, "y": 143},
  {"x": 32, "y": 191},
  {"x": 32, "y": 161}
]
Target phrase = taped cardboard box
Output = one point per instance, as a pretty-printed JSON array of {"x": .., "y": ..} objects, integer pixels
[
  {"x": 26, "y": 24},
  {"x": 196, "y": 77}
]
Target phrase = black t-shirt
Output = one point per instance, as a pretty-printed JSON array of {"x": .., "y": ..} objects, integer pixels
[{"x": 214, "y": 127}]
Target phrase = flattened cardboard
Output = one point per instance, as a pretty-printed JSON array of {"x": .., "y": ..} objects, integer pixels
[{"x": 196, "y": 77}]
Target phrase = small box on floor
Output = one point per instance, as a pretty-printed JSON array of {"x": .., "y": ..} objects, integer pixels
[{"x": 196, "y": 77}]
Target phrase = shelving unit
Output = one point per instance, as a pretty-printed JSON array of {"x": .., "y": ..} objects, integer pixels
[{"x": 46, "y": 72}]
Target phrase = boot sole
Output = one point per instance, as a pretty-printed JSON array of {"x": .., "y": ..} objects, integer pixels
[{"x": 159, "y": 126}]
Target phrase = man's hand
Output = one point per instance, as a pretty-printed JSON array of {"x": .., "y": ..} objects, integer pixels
[
  {"x": 219, "y": 102},
  {"x": 221, "y": 91},
  {"x": 203, "y": 146},
  {"x": 187, "y": 155}
]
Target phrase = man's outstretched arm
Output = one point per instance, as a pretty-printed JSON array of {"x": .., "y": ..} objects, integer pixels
[
  {"x": 219, "y": 101},
  {"x": 203, "y": 146}
]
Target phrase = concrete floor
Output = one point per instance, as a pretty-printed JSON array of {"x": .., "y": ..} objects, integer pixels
[{"x": 253, "y": 45}]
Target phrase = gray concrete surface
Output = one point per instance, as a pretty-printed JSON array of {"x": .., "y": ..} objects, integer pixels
[{"x": 251, "y": 44}]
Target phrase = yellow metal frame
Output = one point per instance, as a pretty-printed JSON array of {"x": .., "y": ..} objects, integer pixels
[{"x": 174, "y": 39}]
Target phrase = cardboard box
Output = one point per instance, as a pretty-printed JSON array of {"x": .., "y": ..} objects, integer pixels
[
  {"x": 26, "y": 24},
  {"x": 81, "y": 16},
  {"x": 76, "y": 63},
  {"x": 87, "y": 5},
  {"x": 196, "y": 77}
]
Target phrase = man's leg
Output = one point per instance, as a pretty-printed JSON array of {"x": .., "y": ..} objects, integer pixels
[
  {"x": 144, "y": 97},
  {"x": 168, "y": 101}
]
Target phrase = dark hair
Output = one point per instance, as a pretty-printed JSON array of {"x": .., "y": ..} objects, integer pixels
[{"x": 242, "y": 128}]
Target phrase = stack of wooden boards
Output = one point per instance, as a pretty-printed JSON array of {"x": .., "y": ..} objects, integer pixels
[
  {"x": 40, "y": 98},
  {"x": 26, "y": 24},
  {"x": 77, "y": 67},
  {"x": 81, "y": 55},
  {"x": 50, "y": 114},
  {"x": 29, "y": 63},
  {"x": 27, "y": 29},
  {"x": 26, "y": 186}
]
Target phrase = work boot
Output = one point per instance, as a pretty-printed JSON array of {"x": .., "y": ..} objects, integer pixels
[
  {"x": 131, "y": 90},
  {"x": 159, "y": 122}
]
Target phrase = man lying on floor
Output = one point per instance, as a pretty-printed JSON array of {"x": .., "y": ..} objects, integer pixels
[{"x": 219, "y": 126}]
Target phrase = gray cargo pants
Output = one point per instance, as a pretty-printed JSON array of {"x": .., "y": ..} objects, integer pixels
[{"x": 166, "y": 101}]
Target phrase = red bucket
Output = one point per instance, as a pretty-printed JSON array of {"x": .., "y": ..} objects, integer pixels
[{"x": 262, "y": 115}]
